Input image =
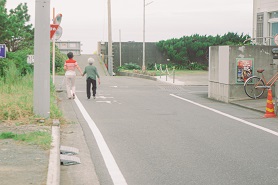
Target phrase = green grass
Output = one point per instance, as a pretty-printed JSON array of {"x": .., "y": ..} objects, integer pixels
[
  {"x": 186, "y": 72},
  {"x": 177, "y": 72},
  {"x": 42, "y": 139},
  {"x": 7, "y": 135},
  {"x": 16, "y": 97}
]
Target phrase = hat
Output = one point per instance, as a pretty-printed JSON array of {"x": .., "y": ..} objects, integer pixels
[{"x": 91, "y": 60}]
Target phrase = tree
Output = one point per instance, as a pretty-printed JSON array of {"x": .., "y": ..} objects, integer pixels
[
  {"x": 3, "y": 21},
  {"x": 195, "y": 48},
  {"x": 18, "y": 34}
]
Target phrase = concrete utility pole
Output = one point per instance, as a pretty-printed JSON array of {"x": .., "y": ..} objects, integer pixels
[
  {"x": 120, "y": 46},
  {"x": 42, "y": 59},
  {"x": 110, "y": 57},
  {"x": 143, "y": 65},
  {"x": 144, "y": 49}
]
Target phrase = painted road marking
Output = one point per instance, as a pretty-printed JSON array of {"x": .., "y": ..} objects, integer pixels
[
  {"x": 112, "y": 167},
  {"x": 103, "y": 97},
  {"x": 109, "y": 102},
  {"x": 228, "y": 115},
  {"x": 196, "y": 92}
]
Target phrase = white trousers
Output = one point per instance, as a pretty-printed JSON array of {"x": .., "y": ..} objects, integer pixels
[{"x": 70, "y": 83}]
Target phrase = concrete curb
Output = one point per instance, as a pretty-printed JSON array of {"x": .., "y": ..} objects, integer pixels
[
  {"x": 137, "y": 75},
  {"x": 248, "y": 107},
  {"x": 53, "y": 175}
]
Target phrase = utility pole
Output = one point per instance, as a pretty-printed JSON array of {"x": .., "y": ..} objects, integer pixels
[
  {"x": 144, "y": 48},
  {"x": 110, "y": 57},
  {"x": 120, "y": 46},
  {"x": 143, "y": 65},
  {"x": 42, "y": 59}
]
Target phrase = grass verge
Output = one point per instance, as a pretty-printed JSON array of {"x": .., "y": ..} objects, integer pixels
[
  {"x": 39, "y": 138},
  {"x": 158, "y": 73},
  {"x": 16, "y": 98}
]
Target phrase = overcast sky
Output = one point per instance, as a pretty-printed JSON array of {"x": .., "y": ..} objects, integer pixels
[{"x": 86, "y": 20}]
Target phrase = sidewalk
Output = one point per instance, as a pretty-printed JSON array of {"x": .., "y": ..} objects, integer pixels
[{"x": 201, "y": 79}]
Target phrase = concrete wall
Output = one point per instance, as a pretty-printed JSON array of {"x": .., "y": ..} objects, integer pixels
[
  {"x": 223, "y": 84},
  {"x": 132, "y": 52},
  {"x": 266, "y": 5}
]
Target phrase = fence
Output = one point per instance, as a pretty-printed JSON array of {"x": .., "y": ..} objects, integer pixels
[{"x": 166, "y": 72}]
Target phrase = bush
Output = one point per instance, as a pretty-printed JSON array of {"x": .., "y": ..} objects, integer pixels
[
  {"x": 129, "y": 66},
  {"x": 19, "y": 58},
  {"x": 170, "y": 66},
  {"x": 195, "y": 66},
  {"x": 60, "y": 59}
]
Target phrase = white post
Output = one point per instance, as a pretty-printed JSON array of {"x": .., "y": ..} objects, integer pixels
[{"x": 42, "y": 56}]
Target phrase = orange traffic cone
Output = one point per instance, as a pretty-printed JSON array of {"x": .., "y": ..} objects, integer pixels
[{"x": 269, "y": 113}]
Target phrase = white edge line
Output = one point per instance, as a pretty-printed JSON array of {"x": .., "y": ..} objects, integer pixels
[
  {"x": 229, "y": 116},
  {"x": 113, "y": 169}
]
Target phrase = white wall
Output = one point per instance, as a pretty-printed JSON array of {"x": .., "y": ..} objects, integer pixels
[
  {"x": 267, "y": 5},
  {"x": 264, "y": 7}
]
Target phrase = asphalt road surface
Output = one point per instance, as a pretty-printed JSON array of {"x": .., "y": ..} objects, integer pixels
[{"x": 144, "y": 132}]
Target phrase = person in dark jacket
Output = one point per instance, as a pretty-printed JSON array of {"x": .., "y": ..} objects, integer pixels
[{"x": 91, "y": 78}]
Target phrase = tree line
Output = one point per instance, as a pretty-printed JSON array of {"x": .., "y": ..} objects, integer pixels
[
  {"x": 195, "y": 48},
  {"x": 17, "y": 33}
]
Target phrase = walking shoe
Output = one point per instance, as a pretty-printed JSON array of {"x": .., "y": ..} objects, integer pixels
[{"x": 94, "y": 97}]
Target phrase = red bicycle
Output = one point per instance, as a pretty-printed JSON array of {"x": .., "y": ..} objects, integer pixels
[{"x": 255, "y": 86}]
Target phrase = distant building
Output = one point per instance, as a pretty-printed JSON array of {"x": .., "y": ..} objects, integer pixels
[
  {"x": 265, "y": 21},
  {"x": 67, "y": 46}
]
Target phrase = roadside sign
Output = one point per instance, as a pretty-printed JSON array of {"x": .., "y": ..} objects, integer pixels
[
  {"x": 53, "y": 29},
  {"x": 30, "y": 59},
  {"x": 58, "y": 33},
  {"x": 2, "y": 51},
  {"x": 58, "y": 19}
]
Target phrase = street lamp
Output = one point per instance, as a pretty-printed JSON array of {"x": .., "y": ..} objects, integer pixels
[{"x": 144, "y": 6}]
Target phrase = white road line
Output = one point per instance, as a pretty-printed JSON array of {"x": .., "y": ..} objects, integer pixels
[
  {"x": 195, "y": 92},
  {"x": 109, "y": 102},
  {"x": 229, "y": 116},
  {"x": 113, "y": 169},
  {"x": 103, "y": 97}
]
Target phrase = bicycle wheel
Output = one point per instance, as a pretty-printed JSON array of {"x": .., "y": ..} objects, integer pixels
[{"x": 250, "y": 87}]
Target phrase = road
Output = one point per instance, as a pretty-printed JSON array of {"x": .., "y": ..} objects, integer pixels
[{"x": 158, "y": 133}]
